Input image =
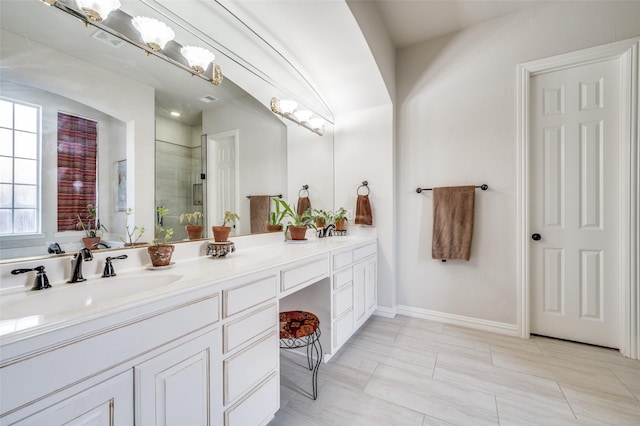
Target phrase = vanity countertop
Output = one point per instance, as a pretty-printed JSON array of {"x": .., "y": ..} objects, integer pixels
[{"x": 27, "y": 314}]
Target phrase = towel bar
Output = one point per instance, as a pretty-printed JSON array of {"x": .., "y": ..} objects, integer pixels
[
  {"x": 272, "y": 196},
  {"x": 484, "y": 187}
]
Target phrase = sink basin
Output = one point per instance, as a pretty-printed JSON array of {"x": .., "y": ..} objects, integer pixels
[{"x": 66, "y": 298}]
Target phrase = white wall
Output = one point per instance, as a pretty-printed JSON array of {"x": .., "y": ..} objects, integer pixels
[
  {"x": 364, "y": 151},
  {"x": 457, "y": 125}
]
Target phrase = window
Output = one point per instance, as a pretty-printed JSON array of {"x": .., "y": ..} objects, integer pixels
[
  {"x": 19, "y": 168},
  {"x": 77, "y": 161}
]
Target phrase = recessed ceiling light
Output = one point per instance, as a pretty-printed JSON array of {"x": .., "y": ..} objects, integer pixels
[{"x": 175, "y": 113}]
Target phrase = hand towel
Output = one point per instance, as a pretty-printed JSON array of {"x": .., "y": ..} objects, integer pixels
[
  {"x": 304, "y": 204},
  {"x": 363, "y": 211},
  {"x": 453, "y": 210},
  {"x": 259, "y": 206}
]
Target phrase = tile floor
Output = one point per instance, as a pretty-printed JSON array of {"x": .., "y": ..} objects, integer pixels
[{"x": 409, "y": 371}]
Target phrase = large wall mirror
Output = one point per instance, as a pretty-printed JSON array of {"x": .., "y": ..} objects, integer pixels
[{"x": 144, "y": 156}]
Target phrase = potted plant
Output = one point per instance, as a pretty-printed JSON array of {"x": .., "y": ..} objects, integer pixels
[
  {"x": 160, "y": 252},
  {"x": 274, "y": 224},
  {"x": 221, "y": 233},
  {"x": 132, "y": 239},
  {"x": 91, "y": 228},
  {"x": 340, "y": 219},
  {"x": 194, "y": 230},
  {"x": 322, "y": 218},
  {"x": 298, "y": 223}
]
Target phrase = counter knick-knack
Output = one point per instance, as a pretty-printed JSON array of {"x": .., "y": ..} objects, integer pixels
[{"x": 221, "y": 233}]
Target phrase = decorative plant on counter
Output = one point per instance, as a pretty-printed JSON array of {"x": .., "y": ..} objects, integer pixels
[
  {"x": 221, "y": 233},
  {"x": 194, "y": 230},
  {"x": 91, "y": 228},
  {"x": 322, "y": 218},
  {"x": 131, "y": 233},
  {"x": 160, "y": 252},
  {"x": 340, "y": 219},
  {"x": 274, "y": 224},
  {"x": 298, "y": 223}
]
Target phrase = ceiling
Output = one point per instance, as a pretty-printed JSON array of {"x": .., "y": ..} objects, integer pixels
[{"x": 409, "y": 22}]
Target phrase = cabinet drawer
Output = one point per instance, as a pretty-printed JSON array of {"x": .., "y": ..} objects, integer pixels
[
  {"x": 248, "y": 295},
  {"x": 342, "y": 259},
  {"x": 343, "y": 328},
  {"x": 257, "y": 407},
  {"x": 246, "y": 328},
  {"x": 305, "y": 273},
  {"x": 362, "y": 252},
  {"x": 342, "y": 300},
  {"x": 342, "y": 278},
  {"x": 245, "y": 369}
]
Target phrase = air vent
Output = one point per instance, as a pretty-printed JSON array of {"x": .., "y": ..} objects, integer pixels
[
  {"x": 207, "y": 99},
  {"x": 107, "y": 38}
]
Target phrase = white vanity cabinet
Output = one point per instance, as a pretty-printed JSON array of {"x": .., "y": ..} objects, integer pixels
[
  {"x": 354, "y": 291},
  {"x": 250, "y": 356},
  {"x": 87, "y": 373}
]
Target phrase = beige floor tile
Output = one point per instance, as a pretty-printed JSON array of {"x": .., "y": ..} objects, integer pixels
[
  {"x": 602, "y": 407},
  {"x": 535, "y": 391},
  {"x": 410, "y": 371},
  {"x": 512, "y": 413},
  {"x": 572, "y": 371},
  {"x": 432, "y": 397}
]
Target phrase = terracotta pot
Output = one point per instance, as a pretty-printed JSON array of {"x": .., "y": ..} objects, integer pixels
[
  {"x": 161, "y": 255},
  {"x": 274, "y": 228},
  {"x": 90, "y": 241},
  {"x": 320, "y": 223},
  {"x": 194, "y": 231},
  {"x": 298, "y": 232},
  {"x": 341, "y": 224},
  {"x": 221, "y": 233}
]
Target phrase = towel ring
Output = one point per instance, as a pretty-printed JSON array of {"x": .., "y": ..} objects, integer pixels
[
  {"x": 365, "y": 184},
  {"x": 305, "y": 188}
]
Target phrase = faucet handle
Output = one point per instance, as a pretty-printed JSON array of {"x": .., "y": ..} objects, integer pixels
[
  {"x": 41, "y": 282},
  {"x": 109, "y": 271}
]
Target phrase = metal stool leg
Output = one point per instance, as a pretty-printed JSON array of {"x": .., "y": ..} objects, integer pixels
[{"x": 317, "y": 347}]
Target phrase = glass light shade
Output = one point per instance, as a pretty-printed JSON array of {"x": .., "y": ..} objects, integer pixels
[
  {"x": 198, "y": 57},
  {"x": 316, "y": 123},
  {"x": 154, "y": 33},
  {"x": 303, "y": 115},
  {"x": 287, "y": 106},
  {"x": 97, "y": 10}
]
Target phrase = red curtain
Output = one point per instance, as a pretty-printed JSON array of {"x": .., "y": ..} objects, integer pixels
[{"x": 77, "y": 178}]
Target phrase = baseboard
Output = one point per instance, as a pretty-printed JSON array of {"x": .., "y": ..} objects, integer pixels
[
  {"x": 381, "y": 311},
  {"x": 470, "y": 322}
]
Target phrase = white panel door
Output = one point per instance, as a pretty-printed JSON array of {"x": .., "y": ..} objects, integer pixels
[
  {"x": 574, "y": 203},
  {"x": 222, "y": 184}
]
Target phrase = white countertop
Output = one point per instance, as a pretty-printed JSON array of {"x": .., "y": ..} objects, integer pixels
[{"x": 26, "y": 314}]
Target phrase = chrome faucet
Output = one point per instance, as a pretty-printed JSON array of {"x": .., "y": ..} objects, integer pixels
[
  {"x": 326, "y": 231},
  {"x": 76, "y": 265}
]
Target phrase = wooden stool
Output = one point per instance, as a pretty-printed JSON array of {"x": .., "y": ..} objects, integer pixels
[{"x": 299, "y": 329}]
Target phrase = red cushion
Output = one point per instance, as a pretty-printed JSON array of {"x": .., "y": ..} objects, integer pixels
[{"x": 296, "y": 324}]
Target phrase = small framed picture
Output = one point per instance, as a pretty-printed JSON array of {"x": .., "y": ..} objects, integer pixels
[{"x": 120, "y": 185}]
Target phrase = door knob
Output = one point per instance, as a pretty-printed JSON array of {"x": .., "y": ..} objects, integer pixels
[{"x": 536, "y": 237}]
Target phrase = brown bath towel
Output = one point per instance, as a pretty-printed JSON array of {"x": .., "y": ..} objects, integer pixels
[
  {"x": 304, "y": 204},
  {"x": 363, "y": 211},
  {"x": 259, "y": 206},
  {"x": 453, "y": 209}
]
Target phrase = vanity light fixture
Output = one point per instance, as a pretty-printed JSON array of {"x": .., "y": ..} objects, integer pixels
[
  {"x": 153, "y": 37},
  {"x": 287, "y": 109},
  {"x": 199, "y": 58},
  {"x": 154, "y": 33},
  {"x": 98, "y": 10}
]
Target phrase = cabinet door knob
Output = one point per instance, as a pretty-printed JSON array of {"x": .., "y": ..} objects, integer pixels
[{"x": 536, "y": 237}]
